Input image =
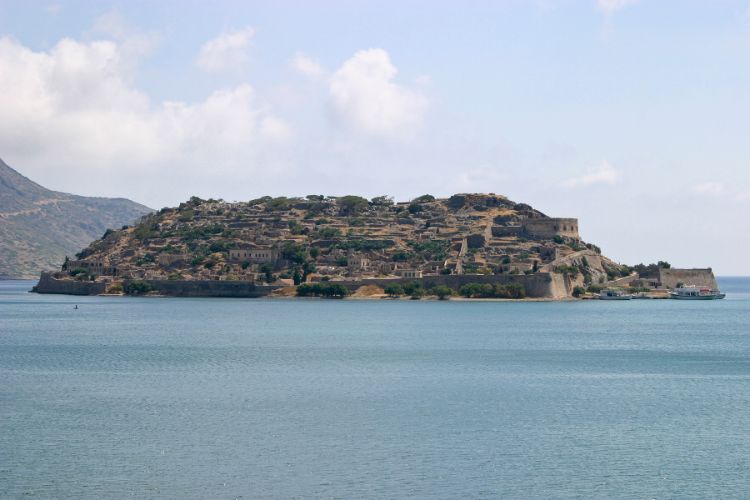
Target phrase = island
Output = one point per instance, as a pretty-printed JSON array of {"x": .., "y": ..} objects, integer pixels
[{"x": 468, "y": 245}]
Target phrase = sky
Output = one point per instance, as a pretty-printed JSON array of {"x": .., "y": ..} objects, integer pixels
[{"x": 632, "y": 115}]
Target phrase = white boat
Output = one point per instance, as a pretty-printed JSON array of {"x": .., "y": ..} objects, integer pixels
[
  {"x": 696, "y": 293},
  {"x": 614, "y": 294}
]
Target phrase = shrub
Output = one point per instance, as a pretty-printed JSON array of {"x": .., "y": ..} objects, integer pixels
[
  {"x": 558, "y": 239},
  {"x": 137, "y": 287},
  {"x": 567, "y": 269},
  {"x": 394, "y": 290},
  {"x": 350, "y": 205},
  {"x": 442, "y": 291},
  {"x": 578, "y": 291},
  {"x": 425, "y": 198},
  {"x": 410, "y": 288},
  {"x": 328, "y": 290},
  {"x": 493, "y": 290}
]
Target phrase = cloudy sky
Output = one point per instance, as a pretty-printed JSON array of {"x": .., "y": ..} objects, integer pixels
[{"x": 631, "y": 115}]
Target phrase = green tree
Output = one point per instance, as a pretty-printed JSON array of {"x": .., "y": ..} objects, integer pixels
[
  {"x": 442, "y": 291},
  {"x": 351, "y": 205}
]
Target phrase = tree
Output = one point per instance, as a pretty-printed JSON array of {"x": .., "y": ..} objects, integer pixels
[
  {"x": 297, "y": 276},
  {"x": 425, "y": 198},
  {"x": 137, "y": 287},
  {"x": 578, "y": 291},
  {"x": 442, "y": 291},
  {"x": 351, "y": 205},
  {"x": 268, "y": 271},
  {"x": 382, "y": 201},
  {"x": 329, "y": 290},
  {"x": 394, "y": 290}
]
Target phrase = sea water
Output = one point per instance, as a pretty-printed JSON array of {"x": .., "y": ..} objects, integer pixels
[{"x": 274, "y": 398}]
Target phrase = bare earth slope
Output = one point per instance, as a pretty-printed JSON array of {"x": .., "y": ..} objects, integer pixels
[{"x": 39, "y": 227}]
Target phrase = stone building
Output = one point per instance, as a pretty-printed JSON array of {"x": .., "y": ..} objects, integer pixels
[
  {"x": 255, "y": 255},
  {"x": 357, "y": 262},
  {"x": 410, "y": 273},
  {"x": 551, "y": 227},
  {"x": 93, "y": 266}
]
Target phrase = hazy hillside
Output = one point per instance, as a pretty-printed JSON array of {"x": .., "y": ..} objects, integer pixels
[{"x": 39, "y": 227}]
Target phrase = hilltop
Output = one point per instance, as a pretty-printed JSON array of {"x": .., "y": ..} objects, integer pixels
[
  {"x": 39, "y": 227},
  {"x": 349, "y": 238}
]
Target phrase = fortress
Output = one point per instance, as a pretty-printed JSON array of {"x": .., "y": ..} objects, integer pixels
[
  {"x": 550, "y": 227},
  {"x": 213, "y": 248}
]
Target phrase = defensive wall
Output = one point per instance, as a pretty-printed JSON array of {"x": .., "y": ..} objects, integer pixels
[
  {"x": 538, "y": 285},
  {"x": 670, "y": 278},
  {"x": 49, "y": 284},
  {"x": 551, "y": 227},
  {"x": 546, "y": 228}
]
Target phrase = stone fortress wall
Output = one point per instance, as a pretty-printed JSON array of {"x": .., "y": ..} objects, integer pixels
[
  {"x": 539, "y": 285},
  {"x": 670, "y": 278},
  {"x": 551, "y": 227}
]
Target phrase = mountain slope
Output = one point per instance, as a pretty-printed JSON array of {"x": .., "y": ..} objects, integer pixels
[{"x": 39, "y": 227}]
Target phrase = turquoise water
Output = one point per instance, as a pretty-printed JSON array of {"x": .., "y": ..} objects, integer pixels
[{"x": 257, "y": 398}]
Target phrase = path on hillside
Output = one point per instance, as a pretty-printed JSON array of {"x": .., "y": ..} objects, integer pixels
[{"x": 39, "y": 203}]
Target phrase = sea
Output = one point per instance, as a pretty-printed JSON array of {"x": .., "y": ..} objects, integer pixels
[{"x": 313, "y": 398}]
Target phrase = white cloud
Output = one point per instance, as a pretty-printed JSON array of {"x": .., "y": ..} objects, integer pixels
[
  {"x": 363, "y": 95},
  {"x": 308, "y": 66},
  {"x": 132, "y": 44},
  {"x": 226, "y": 51},
  {"x": 609, "y": 7},
  {"x": 709, "y": 188},
  {"x": 603, "y": 174},
  {"x": 74, "y": 108}
]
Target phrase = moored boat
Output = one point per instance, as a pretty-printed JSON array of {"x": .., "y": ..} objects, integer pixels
[
  {"x": 614, "y": 294},
  {"x": 696, "y": 293}
]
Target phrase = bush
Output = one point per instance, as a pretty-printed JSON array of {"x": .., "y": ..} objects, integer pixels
[
  {"x": 578, "y": 291},
  {"x": 350, "y": 205},
  {"x": 137, "y": 287},
  {"x": 442, "y": 291},
  {"x": 394, "y": 290},
  {"x": 567, "y": 269},
  {"x": 425, "y": 198},
  {"x": 493, "y": 290},
  {"x": 328, "y": 290},
  {"x": 411, "y": 288},
  {"x": 558, "y": 239}
]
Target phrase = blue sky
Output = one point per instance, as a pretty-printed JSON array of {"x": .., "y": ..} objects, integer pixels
[{"x": 631, "y": 115}]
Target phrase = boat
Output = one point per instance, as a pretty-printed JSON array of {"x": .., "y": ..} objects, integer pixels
[
  {"x": 696, "y": 293},
  {"x": 614, "y": 294}
]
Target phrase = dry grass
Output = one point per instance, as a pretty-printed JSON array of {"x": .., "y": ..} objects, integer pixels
[{"x": 368, "y": 291}]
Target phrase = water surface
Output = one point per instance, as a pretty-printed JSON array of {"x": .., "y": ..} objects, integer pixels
[{"x": 259, "y": 398}]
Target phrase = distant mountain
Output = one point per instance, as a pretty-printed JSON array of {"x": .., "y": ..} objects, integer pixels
[{"x": 39, "y": 227}]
